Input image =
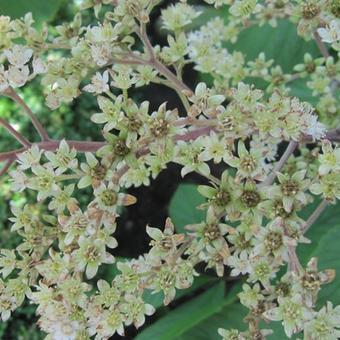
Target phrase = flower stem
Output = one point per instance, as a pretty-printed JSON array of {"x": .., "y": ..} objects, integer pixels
[
  {"x": 312, "y": 218},
  {"x": 18, "y": 136},
  {"x": 279, "y": 165},
  {"x": 10, "y": 93}
]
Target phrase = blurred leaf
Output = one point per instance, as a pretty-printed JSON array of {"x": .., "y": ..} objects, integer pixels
[
  {"x": 190, "y": 315},
  {"x": 157, "y": 299},
  {"x": 230, "y": 316},
  {"x": 280, "y": 43},
  {"x": 299, "y": 89},
  {"x": 41, "y": 10},
  {"x": 183, "y": 205}
]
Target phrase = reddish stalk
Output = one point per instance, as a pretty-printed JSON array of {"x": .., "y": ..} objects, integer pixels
[
  {"x": 18, "y": 136},
  {"x": 10, "y": 93}
]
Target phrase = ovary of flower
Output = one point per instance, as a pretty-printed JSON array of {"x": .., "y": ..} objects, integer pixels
[
  {"x": 330, "y": 34},
  {"x": 18, "y": 56},
  {"x": 99, "y": 83}
]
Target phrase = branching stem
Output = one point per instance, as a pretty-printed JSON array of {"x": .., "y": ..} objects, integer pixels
[
  {"x": 279, "y": 165},
  {"x": 315, "y": 215},
  {"x": 18, "y": 136},
  {"x": 10, "y": 93}
]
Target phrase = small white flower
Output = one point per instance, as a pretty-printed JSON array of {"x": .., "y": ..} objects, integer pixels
[
  {"x": 330, "y": 34},
  {"x": 18, "y": 56},
  {"x": 18, "y": 76},
  {"x": 39, "y": 67},
  {"x": 29, "y": 158},
  {"x": 99, "y": 83},
  {"x": 101, "y": 54},
  {"x": 315, "y": 129}
]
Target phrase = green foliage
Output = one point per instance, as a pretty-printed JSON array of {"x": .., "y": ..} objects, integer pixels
[
  {"x": 41, "y": 10},
  {"x": 183, "y": 206},
  {"x": 280, "y": 43},
  {"x": 188, "y": 317}
]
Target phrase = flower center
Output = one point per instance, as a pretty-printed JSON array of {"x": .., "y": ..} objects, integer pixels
[
  {"x": 273, "y": 241},
  {"x": 120, "y": 148},
  {"x": 134, "y": 124},
  {"x": 311, "y": 281},
  {"x": 248, "y": 164},
  {"x": 290, "y": 188},
  {"x": 211, "y": 232},
  {"x": 250, "y": 198},
  {"x": 99, "y": 172},
  {"x": 159, "y": 128},
  {"x": 335, "y": 8},
  {"x": 221, "y": 198},
  {"x": 109, "y": 197},
  {"x": 282, "y": 289},
  {"x": 310, "y": 10},
  {"x": 279, "y": 210}
]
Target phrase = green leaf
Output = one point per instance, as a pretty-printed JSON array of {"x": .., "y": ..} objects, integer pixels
[
  {"x": 183, "y": 205},
  {"x": 230, "y": 316},
  {"x": 157, "y": 299},
  {"x": 41, "y": 10},
  {"x": 190, "y": 315},
  {"x": 299, "y": 89},
  {"x": 280, "y": 43}
]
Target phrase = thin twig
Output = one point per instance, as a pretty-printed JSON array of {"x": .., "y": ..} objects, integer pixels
[
  {"x": 10, "y": 93},
  {"x": 323, "y": 49},
  {"x": 315, "y": 215},
  {"x": 18, "y": 136},
  {"x": 153, "y": 61},
  {"x": 279, "y": 165},
  {"x": 333, "y": 135},
  {"x": 293, "y": 262},
  {"x": 6, "y": 166}
]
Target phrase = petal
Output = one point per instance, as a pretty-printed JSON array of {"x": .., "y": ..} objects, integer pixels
[{"x": 91, "y": 270}]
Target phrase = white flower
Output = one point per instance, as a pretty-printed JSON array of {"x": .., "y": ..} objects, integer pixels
[
  {"x": 101, "y": 54},
  {"x": 330, "y": 34},
  {"x": 39, "y": 67},
  {"x": 240, "y": 264},
  {"x": 29, "y": 158},
  {"x": 315, "y": 129},
  {"x": 19, "y": 181},
  {"x": 18, "y": 56},
  {"x": 177, "y": 16},
  {"x": 99, "y": 83},
  {"x": 244, "y": 8},
  {"x": 63, "y": 158},
  {"x": 68, "y": 89},
  {"x": 18, "y": 76},
  {"x": 214, "y": 148}
]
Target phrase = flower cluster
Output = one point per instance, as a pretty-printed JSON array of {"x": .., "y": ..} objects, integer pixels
[{"x": 252, "y": 222}]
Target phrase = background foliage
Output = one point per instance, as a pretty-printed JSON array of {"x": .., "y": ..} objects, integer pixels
[{"x": 208, "y": 304}]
